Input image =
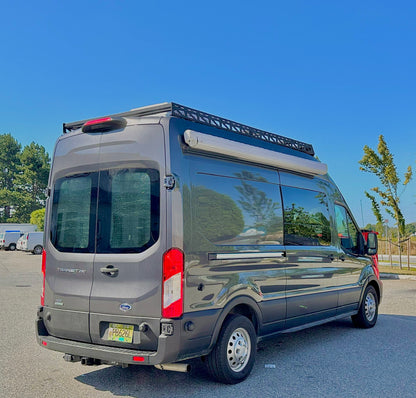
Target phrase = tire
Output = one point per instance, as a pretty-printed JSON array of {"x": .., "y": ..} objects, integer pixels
[
  {"x": 38, "y": 249},
  {"x": 368, "y": 312},
  {"x": 233, "y": 356},
  {"x": 12, "y": 247}
]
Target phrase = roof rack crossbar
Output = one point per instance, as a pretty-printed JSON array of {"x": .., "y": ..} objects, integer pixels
[{"x": 194, "y": 115}]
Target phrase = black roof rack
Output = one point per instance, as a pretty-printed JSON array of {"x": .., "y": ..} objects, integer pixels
[{"x": 194, "y": 115}]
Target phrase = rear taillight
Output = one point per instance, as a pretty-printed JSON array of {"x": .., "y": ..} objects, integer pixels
[
  {"x": 42, "y": 297},
  {"x": 172, "y": 290}
]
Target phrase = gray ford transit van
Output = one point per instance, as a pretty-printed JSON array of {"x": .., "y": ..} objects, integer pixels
[{"x": 172, "y": 234}]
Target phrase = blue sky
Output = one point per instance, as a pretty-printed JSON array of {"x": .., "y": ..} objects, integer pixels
[{"x": 334, "y": 74}]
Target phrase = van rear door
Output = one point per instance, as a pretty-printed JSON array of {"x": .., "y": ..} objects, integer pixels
[
  {"x": 127, "y": 272},
  {"x": 104, "y": 212}
]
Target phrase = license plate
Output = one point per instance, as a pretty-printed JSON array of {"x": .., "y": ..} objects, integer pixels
[{"x": 120, "y": 332}]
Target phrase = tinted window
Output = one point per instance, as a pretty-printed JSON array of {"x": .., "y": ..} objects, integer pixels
[
  {"x": 306, "y": 217},
  {"x": 72, "y": 211},
  {"x": 347, "y": 231},
  {"x": 128, "y": 211},
  {"x": 240, "y": 210}
]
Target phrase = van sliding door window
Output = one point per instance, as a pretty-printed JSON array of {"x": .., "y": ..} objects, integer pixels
[
  {"x": 73, "y": 213},
  {"x": 239, "y": 210},
  {"x": 306, "y": 217}
]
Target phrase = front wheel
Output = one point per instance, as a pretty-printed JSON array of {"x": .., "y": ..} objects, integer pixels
[
  {"x": 233, "y": 356},
  {"x": 368, "y": 312}
]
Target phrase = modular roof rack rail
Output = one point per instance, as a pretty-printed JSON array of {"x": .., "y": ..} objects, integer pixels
[{"x": 194, "y": 115}]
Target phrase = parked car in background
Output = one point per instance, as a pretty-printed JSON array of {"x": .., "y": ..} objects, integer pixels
[
  {"x": 365, "y": 233},
  {"x": 19, "y": 244},
  {"x": 8, "y": 239},
  {"x": 31, "y": 242}
]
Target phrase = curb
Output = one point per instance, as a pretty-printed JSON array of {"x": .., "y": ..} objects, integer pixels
[{"x": 397, "y": 276}]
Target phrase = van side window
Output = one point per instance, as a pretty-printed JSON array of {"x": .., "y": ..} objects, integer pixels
[
  {"x": 347, "y": 231},
  {"x": 243, "y": 209},
  {"x": 306, "y": 217}
]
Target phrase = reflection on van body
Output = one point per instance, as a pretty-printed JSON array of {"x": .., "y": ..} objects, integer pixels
[{"x": 173, "y": 234}]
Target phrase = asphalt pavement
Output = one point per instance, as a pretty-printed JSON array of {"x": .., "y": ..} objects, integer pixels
[{"x": 333, "y": 360}]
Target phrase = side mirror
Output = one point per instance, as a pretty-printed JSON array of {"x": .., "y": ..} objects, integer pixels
[{"x": 372, "y": 244}]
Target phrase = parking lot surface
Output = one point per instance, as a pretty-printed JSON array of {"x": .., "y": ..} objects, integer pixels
[{"x": 333, "y": 360}]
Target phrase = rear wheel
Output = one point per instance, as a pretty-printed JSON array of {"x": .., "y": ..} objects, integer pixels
[
  {"x": 368, "y": 312},
  {"x": 12, "y": 247},
  {"x": 233, "y": 356},
  {"x": 38, "y": 249}
]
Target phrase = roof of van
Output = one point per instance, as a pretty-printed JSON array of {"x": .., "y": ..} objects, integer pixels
[{"x": 183, "y": 112}]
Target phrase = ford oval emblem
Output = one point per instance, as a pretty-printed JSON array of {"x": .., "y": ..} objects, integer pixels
[{"x": 125, "y": 307}]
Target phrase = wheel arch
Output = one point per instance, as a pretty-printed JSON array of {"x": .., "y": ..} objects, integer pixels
[
  {"x": 242, "y": 305},
  {"x": 372, "y": 281},
  {"x": 376, "y": 285}
]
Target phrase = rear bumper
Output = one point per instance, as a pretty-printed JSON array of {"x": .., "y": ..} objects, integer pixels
[
  {"x": 167, "y": 349},
  {"x": 180, "y": 345}
]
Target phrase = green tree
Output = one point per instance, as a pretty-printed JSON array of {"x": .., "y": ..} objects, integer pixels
[
  {"x": 9, "y": 166},
  {"x": 31, "y": 181},
  {"x": 410, "y": 229},
  {"x": 37, "y": 217},
  {"x": 9, "y": 160},
  {"x": 382, "y": 165},
  {"x": 23, "y": 179}
]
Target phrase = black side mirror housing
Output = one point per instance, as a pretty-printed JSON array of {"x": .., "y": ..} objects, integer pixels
[{"x": 372, "y": 244}]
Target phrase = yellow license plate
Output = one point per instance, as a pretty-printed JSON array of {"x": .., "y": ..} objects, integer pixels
[{"x": 120, "y": 332}]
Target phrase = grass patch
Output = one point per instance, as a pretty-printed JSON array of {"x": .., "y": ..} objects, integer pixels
[{"x": 396, "y": 270}]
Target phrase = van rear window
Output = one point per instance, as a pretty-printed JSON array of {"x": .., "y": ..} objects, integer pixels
[
  {"x": 111, "y": 211},
  {"x": 71, "y": 213}
]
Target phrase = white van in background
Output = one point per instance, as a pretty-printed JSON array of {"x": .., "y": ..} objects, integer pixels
[
  {"x": 19, "y": 244},
  {"x": 31, "y": 242},
  {"x": 8, "y": 239}
]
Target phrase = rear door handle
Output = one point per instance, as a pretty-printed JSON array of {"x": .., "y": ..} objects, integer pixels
[{"x": 109, "y": 270}]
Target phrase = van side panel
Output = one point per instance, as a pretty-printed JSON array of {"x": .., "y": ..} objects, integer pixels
[{"x": 233, "y": 237}]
